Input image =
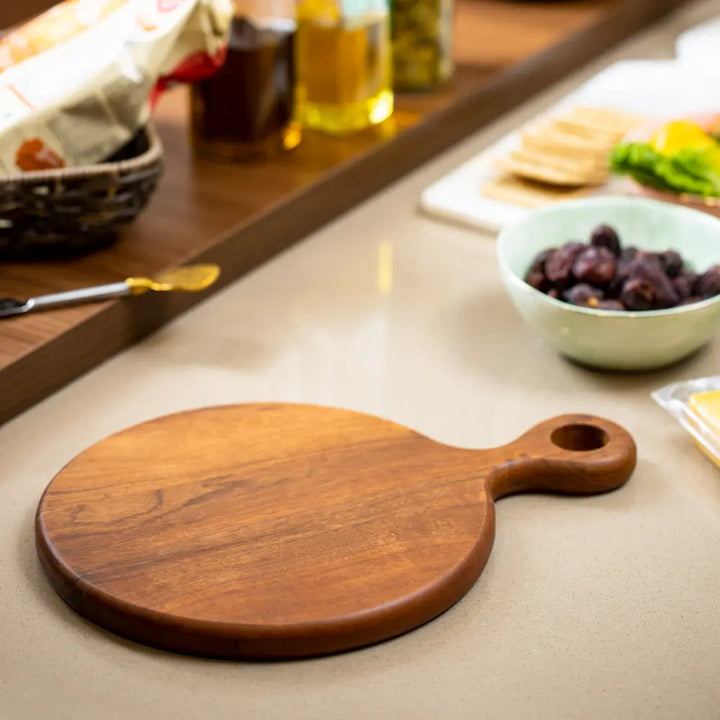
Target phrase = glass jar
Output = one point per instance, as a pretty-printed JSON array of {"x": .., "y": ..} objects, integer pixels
[
  {"x": 344, "y": 63},
  {"x": 247, "y": 109},
  {"x": 422, "y": 38}
]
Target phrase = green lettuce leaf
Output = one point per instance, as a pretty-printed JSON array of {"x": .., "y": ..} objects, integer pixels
[{"x": 689, "y": 170}]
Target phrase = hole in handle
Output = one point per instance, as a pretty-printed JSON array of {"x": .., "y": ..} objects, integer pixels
[{"x": 579, "y": 437}]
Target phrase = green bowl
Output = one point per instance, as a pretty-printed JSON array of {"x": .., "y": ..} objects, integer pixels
[{"x": 613, "y": 339}]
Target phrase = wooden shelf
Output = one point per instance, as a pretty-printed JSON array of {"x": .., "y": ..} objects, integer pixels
[{"x": 242, "y": 215}]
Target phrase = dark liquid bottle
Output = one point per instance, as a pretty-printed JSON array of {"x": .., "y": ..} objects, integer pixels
[{"x": 246, "y": 110}]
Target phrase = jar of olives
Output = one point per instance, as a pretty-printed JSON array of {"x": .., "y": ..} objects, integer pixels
[{"x": 422, "y": 36}]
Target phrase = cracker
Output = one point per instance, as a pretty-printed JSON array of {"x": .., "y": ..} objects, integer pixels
[
  {"x": 527, "y": 194},
  {"x": 610, "y": 119},
  {"x": 568, "y": 151},
  {"x": 552, "y": 140},
  {"x": 589, "y": 131},
  {"x": 551, "y": 175},
  {"x": 595, "y": 158},
  {"x": 576, "y": 162}
]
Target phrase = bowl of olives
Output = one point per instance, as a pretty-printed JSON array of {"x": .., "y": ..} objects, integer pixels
[{"x": 615, "y": 282}]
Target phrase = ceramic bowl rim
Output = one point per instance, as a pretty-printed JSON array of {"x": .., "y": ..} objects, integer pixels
[{"x": 511, "y": 276}]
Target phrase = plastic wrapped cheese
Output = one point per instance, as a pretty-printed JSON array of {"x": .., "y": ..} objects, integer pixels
[
  {"x": 77, "y": 82},
  {"x": 695, "y": 404}
]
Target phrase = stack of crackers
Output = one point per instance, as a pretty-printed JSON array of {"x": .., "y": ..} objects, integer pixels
[{"x": 560, "y": 157}]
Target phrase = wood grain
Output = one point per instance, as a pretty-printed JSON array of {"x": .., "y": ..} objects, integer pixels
[
  {"x": 278, "y": 530},
  {"x": 14, "y": 13},
  {"x": 240, "y": 215}
]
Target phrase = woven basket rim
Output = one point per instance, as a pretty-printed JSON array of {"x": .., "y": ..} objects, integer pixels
[{"x": 151, "y": 155}]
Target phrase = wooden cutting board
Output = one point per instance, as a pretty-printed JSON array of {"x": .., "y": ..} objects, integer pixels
[{"x": 280, "y": 530}]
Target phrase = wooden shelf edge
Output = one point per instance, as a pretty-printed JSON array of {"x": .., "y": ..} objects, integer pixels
[{"x": 259, "y": 239}]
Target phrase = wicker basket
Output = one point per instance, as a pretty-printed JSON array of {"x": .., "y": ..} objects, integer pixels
[{"x": 76, "y": 210}]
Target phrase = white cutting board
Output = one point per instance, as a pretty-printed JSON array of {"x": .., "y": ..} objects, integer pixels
[
  {"x": 699, "y": 47},
  {"x": 653, "y": 88}
]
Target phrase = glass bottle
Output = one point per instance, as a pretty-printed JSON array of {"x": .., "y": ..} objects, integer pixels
[
  {"x": 247, "y": 109},
  {"x": 344, "y": 64},
  {"x": 422, "y": 38}
]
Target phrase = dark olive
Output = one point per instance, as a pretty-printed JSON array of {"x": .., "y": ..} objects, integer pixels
[
  {"x": 637, "y": 294},
  {"x": 558, "y": 266},
  {"x": 628, "y": 253},
  {"x": 538, "y": 263},
  {"x": 683, "y": 285},
  {"x": 672, "y": 263},
  {"x": 610, "y": 305},
  {"x": 583, "y": 294},
  {"x": 536, "y": 280},
  {"x": 605, "y": 236},
  {"x": 605, "y": 275},
  {"x": 647, "y": 267},
  {"x": 622, "y": 268},
  {"x": 594, "y": 265},
  {"x": 708, "y": 284}
]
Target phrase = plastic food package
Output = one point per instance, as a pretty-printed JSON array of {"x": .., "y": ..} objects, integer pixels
[
  {"x": 695, "y": 404},
  {"x": 78, "y": 81}
]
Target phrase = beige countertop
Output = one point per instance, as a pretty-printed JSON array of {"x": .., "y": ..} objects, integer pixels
[{"x": 601, "y": 607}]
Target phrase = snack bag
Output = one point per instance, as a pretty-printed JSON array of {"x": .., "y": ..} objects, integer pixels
[{"x": 78, "y": 81}]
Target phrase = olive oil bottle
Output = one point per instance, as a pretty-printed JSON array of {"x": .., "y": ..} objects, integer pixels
[{"x": 344, "y": 64}]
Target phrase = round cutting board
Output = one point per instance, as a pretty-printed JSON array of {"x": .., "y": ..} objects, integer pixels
[{"x": 280, "y": 530}]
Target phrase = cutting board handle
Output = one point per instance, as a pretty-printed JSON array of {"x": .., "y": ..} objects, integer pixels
[{"x": 573, "y": 454}]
